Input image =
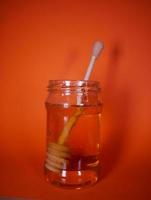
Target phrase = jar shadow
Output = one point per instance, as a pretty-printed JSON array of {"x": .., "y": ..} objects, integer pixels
[{"x": 116, "y": 115}]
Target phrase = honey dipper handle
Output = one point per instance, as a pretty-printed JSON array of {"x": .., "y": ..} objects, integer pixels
[
  {"x": 70, "y": 123},
  {"x": 97, "y": 48}
]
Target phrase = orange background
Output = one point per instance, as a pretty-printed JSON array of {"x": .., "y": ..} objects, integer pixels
[{"x": 42, "y": 40}]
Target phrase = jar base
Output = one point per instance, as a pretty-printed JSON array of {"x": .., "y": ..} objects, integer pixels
[{"x": 73, "y": 179}]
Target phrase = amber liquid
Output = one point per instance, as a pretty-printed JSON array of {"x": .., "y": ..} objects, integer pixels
[{"x": 83, "y": 141}]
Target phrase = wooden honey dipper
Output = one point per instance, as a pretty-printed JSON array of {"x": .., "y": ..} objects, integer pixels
[{"x": 58, "y": 154}]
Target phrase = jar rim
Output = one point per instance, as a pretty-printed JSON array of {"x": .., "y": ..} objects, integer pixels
[{"x": 73, "y": 83}]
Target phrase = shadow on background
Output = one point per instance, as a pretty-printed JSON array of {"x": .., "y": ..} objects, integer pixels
[{"x": 116, "y": 112}]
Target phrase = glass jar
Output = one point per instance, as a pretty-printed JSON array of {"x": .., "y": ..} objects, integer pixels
[{"x": 73, "y": 133}]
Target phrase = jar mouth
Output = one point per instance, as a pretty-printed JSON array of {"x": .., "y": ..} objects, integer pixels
[{"x": 74, "y": 84}]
